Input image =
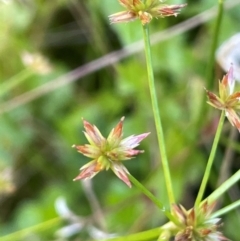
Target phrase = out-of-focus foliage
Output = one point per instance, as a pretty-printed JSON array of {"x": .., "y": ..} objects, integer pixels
[{"x": 37, "y": 163}]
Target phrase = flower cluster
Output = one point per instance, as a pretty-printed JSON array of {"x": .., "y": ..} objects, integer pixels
[
  {"x": 108, "y": 152},
  {"x": 197, "y": 224},
  {"x": 144, "y": 10},
  {"x": 228, "y": 100}
]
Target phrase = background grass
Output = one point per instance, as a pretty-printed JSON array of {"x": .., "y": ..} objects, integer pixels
[{"x": 41, "y": 118}]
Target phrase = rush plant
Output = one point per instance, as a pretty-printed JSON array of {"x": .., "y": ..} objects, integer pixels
[{"x": 201, "y": 222}]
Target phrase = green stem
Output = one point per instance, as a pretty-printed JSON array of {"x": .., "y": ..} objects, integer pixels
[
  {"x": 21, "y": 234},
  {"x": 210, "y": 66},
  {"x": 211, "y": 63},
  {"x": 153, "y": 199},
  {"x": 151, "y": 234},
  {"x": 210, "y": 161},
  {"x": 226, "y": 209},
  {"x": 156, "y": 113},
  {"x": 224, "y": 187},
  {"x": 14, "y": 81}
]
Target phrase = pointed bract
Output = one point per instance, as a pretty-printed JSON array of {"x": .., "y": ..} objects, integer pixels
[
  {"x": 115, "y": 135},
  {"x": 88, "y": 150},
  {"x": 92, "y": 134},
  {"x": 89, "y": 171},
  {"x": 122, "y": 17},
  {"x": 233, "y": 118},
  {"x": 121, "y": 172},
  {"x": 171, "y": 10},
  {"x": 133, "y": 141}
]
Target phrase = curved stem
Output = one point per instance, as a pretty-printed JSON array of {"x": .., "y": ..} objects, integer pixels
[
  {"x": 146, "y": 192},
  {"x": 156, "y": 113},
  {"x": 153, "y": 199},
  {"x": 210, "y": 161}
]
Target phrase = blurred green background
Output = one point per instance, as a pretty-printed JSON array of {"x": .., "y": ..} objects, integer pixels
[{"x": 47, "y": 85}]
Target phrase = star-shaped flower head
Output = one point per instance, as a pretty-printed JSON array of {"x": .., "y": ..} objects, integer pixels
[
  {"x": 197, "y": 224},
  {"x": 108, "y": 152},
  {"x": 228, "y": 100},
  {"x": 145, "y": 10}
]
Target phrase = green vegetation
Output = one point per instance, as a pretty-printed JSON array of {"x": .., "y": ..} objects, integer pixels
[{"x": 61, "y": 61}]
